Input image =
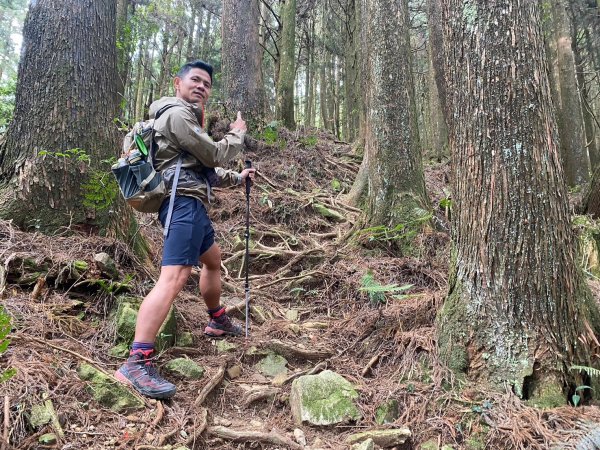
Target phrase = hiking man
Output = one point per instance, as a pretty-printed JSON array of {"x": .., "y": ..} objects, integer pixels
[{"x": 190, "y": 237}]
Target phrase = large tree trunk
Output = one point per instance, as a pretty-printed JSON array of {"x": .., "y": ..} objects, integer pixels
[
  {"x": 592, "y": 199},
  {"x": 66, "y": 99},
  {"x": 287, "y": 70},
  {"x": 396, "y": 187},
  {"x": 242, "y": 76},
  {"x": 518, "y": 302}
]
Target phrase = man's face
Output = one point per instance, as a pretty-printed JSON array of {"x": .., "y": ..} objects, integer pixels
[{"x": 194, "y": 86}]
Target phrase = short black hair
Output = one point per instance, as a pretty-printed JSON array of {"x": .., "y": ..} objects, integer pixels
[{"x": 197, "y": 64}]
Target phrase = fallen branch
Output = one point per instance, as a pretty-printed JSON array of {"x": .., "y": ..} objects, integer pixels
[
  {"x": 213, "y": 382},
  {"x": 259, "y": 394},
  {"x": 253, "y": 436},
  {"x": 289, "y": 350},
  {"x": 370, "y": 364},
  {"x": 199, "y": 429}
]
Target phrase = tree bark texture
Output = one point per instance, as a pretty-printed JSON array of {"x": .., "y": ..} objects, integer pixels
[
  {"x": 66, "y": 99},
  {"x": 287, "y": 70},
  {"x": 517, "y": 301},
  {"x": 242, "y": 76},
  {"x": 570, "y": 119},
  {"x": 396, "y": 187},
  {"x": 592, "y": 200}
]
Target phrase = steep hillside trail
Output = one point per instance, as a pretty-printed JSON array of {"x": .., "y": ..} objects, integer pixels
[{"x": 324, "y": 297}]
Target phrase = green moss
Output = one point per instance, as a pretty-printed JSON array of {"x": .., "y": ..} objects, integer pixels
[
  {"x": 186, "y": 368},
  {"x": 475, "y": 442},
  {"x": 387, "y": 412},
  {"x": 107, "y": 390},
  {"x": 451, "y": 325},
  {"x": 548, "y": 395}
]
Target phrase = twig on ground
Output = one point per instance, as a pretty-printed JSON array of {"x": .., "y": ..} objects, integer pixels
[
  {"x": 298, "y": 277},
  {"x": 212, "y": 383},
  {"x": 253, "y": 436},
  {"x": 199, "y": 428},
  {"x": 6, "y": 421},
  {"x": 160, "y": 410},
  {"x": 370, "y": 364},
  {"x": 164, "y": 437}
]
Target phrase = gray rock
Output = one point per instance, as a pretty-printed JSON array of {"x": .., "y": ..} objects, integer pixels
[
  {"x": 106, "y": 265},
  {"x": 323, "y": 399},
  {"x": 364, "y": 445},
  {"x": 382, "y": 438},
  {"x": 387, "y": 412}
]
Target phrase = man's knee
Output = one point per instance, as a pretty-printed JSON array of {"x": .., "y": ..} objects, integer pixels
[
  {"x": 174, "y": 277},
  {"x": 211, "y": 258}
]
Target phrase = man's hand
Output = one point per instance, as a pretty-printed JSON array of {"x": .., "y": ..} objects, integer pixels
[
  {"x": 239, "y": 123},
  {"x": 248, "y": 173}
]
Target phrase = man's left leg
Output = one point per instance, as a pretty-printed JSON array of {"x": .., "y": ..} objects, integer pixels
[{"x": 220, "y": 324}]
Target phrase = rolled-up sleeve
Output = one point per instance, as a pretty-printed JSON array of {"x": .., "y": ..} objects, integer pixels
[{"x": 186, "y": 134}]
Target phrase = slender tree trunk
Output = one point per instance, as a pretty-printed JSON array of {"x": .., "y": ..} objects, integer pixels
[
  {"x": 189, "y": 53},
  {"x": 517, "y": 303},
  {"x": 242, "y": 76},
  {"x": 592, "y": 200},
  {"x": 396, "y": 186},
  {"x": 351, "y": 72},
  {"x": 571, "y": 130},
  {"x": 287, "y": 69},
  {"x": 50, "y": 165}
]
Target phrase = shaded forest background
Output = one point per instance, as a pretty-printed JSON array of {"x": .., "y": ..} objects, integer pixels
[{"x": 447, "y": 149}]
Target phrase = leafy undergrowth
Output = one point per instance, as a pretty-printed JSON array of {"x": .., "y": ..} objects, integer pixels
[{"x": 333, "y": 298}]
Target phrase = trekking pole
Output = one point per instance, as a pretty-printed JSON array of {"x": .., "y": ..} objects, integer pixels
[{"x": 247, "y": 286}]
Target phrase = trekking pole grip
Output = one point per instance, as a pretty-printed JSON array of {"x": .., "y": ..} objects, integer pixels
[{"x": 248, "y": 181}]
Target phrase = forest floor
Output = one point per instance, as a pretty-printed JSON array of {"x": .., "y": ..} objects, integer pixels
[{"x": 310, "y": 276}]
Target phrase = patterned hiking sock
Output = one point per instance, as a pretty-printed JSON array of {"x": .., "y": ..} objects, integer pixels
[{"x": 142, "y": 346}]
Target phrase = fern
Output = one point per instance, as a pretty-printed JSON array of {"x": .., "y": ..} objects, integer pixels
[
  {"x": 589, "y": 370},
  {"x": 377, "y": 292}
]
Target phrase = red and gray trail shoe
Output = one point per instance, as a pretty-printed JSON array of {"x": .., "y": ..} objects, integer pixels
[
  {"x": 220, "y": 325},
  {"x": 140, "y": 372}
]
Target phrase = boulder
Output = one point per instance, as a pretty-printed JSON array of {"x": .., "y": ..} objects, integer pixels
[
  {"x": 108, "y": 391},
  {"x": 323, "y": 399},
  {"x": 186, "y": 368},
  {"x": 382, "y": 438}
]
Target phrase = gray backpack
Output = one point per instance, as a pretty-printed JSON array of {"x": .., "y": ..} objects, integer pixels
[{"x": 142, "y": 187}]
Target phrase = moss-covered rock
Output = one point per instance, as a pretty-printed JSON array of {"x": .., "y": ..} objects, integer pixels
[
  {"x": 120, "y": 350},
  {"x": 125, "y": 319},
  {"x": 186, "y": 368},
  {"x": 272, "y": 365},
  {"x": 328, "y": 213},
  {"x": 185, "y": 339},
  {"x": 108, "y": 391},
  {"x": 47, "y": 439},
  {"x": 382, "y": 438},
  {"x": 387, "y": 412},
  {"x": 323, "y": 399},
  {"x": 106, "y": 265},
  {"x": 39, "y": 416},
  {"x": 547, "y": 395},
  {"x": 225, "y": 347}
]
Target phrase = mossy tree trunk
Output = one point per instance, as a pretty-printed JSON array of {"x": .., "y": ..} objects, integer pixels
[
  {"x": 518, "y": 302},
  {"x": 287, "y": 65},
  {"x": 242, "y": 76},
  {"x": 66, "y": 99},
  {"x": 396, "y": 187}
]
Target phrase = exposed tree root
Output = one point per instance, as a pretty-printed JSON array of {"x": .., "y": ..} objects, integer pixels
[
  {"x": 289, "y": 350},
  {"x": 212, "y": 383},
  {"x": 200, "y": 425},
  {"x": 259, "y": 394},
  {"x": 253, "y": 436}
]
